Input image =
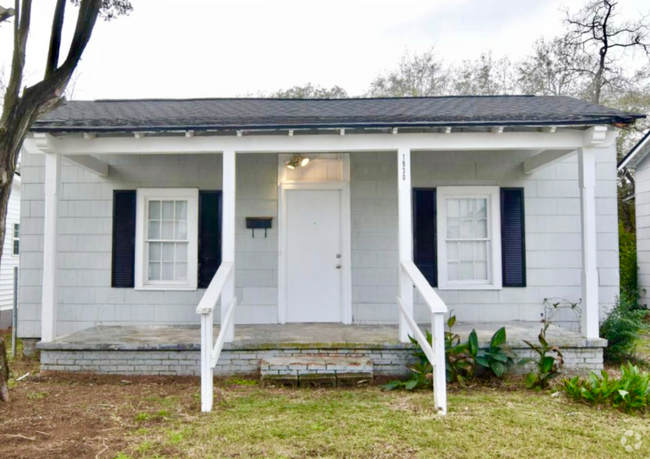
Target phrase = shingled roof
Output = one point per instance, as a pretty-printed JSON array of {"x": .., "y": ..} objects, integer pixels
[{"x": 204, "y": 114}]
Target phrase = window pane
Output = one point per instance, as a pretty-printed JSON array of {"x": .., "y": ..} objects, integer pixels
[
  {"x": 181, "y": 210},
  {"x": 181, "y": 271},
  {"x": 480, "y": 229},
  {"x": 154, "y": 251},
  {"x": 481, "y": 208},
  {"x": 167, "y": 271},
  {"x": 181, "y": 230},
  {"x": 167, "y": 230},
  {"x": 453, "y": 228},
  {"x": 154, "y": 230},
  {"x": 466, "y": 270},
  {"x": 465, "y": 208},
  {"x": 154, "y": 210},
  {"x": 168, "y": 251},
  {"x": 480, "y": 270},
  {"x": 453, "y": 271},
  {"x": 16, "y": 247},
  {"x": 465, "y": 249},
  {"x": 16, "y": 230},
  {"x": 168, "y": 210},
  {"x": 452, "y": 208},
  {"x": 480, "y": 250},
  {"x": 154, "y": 271},
  {"x": 181, "y": 252},
  {"x": 467, "y": 229},
  {"x": 452, "y": 251}
]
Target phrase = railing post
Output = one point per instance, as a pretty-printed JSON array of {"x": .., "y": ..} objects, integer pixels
[
  {"x": 228, "y": 236},
  {"x": 405, "y": 235},
  {"x": 207, "y": 373},
  {"x": 439, "y": 366}
]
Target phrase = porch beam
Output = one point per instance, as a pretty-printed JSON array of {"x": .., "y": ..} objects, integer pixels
[
  {"x": 324, "y": 143},
  {"x": 228, "y": 236},
  {"x": 587, "y": 183},
  {"x": 405, "y": 235},
  {"x": 544, "y": 159},
  {"x": 90, "y": 164},
  {"x": 49, "y": 300}
]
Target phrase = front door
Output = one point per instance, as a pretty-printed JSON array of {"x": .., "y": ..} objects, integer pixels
[{"x": 314, "y": 255}]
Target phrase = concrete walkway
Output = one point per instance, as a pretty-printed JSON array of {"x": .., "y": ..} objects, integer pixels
[{"x": 307, "y": 335}]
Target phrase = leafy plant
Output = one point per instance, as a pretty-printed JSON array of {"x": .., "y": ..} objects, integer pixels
[
  {"x": 498, "y": 358},
  {"x": 622, "y": 330},
  {"x": 548, "y": 366},
  {"x": 460, "y": 358},
  {"x": 631, "y": 392}
]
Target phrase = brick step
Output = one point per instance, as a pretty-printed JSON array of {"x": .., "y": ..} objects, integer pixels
[{"x": 307, "y": 370}]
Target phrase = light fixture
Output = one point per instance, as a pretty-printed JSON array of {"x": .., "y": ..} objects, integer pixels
[{"x": 296, "y": 161}]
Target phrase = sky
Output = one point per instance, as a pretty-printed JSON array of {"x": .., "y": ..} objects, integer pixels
[{"x": 229, "y": 48}]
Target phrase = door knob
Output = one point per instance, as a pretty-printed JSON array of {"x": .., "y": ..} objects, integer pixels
[
  {"x": 338, "y": 255},
  {"x": 338, "y": 266}
]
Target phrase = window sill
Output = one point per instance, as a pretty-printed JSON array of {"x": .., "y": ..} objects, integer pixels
[
  {"x": 470, "y": 287},
  {"x": 166, "y": 288}
]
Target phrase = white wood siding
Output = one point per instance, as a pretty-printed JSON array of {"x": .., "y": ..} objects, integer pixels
[
  {"x": 86, "y": 298},
  {"x": 642, "y": 202}
]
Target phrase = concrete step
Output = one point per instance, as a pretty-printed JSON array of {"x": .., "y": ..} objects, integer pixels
[{"x": 313, "y": 370}]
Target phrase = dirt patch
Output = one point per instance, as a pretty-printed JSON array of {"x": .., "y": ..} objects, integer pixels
[{"x": 80, "y": 415}]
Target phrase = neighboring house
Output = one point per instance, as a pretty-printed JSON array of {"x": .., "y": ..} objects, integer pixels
[
  {"x": 637, "y": 160},
  {"x": 10, "y": 254},
  {"x": 130, "y": 207}
]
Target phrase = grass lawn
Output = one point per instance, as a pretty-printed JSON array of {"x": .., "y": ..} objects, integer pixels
[{"x": 77, "y": 416}]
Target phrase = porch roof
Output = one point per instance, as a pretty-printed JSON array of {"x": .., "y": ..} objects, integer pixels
[{"x": 265, "y": 114}]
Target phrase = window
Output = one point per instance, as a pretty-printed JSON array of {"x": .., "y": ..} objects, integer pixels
[
  {"x": 16, "y": 239},
  {"x": 469, "y": 245},
  {"x": 166, "y": 239}
]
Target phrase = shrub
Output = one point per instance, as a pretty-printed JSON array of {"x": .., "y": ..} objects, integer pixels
[
  {"x": 460, "y": 358},
  {"x": 622, "y": 330},
  {"x": 630, "y": 392},
  {"x": 498, "y": 358},
  {"x": 548, "y": 366},
  {"x": 628, "y": 263}
]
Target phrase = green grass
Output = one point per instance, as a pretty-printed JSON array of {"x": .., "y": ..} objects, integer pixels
[{"x": 252, "y": 422}]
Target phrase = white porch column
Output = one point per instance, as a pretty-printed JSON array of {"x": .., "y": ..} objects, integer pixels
[
  {"x": 228, "y": 234},
  {"x": 49, "y": 302},
  {"x": 587, "y": 181},
  {"x": 405, "y": 217}
]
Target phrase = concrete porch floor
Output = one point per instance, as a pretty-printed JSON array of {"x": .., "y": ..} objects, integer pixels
[{"x": 304, "y": 335}]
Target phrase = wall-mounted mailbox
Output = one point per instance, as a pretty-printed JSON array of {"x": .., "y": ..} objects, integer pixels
[{"x": 259, "y": 223}]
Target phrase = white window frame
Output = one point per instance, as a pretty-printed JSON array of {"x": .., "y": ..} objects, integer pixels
[
  {"x": 144, "y": 195},
  {"x": 493, "y": 196},
  {"x": 14, "y": 239}
]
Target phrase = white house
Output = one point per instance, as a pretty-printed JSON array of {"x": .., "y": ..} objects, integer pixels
[
  {"x": 637, "y": 160},
  {"x": 10, "y": 254},
  {"x": 312, "y": 211}
]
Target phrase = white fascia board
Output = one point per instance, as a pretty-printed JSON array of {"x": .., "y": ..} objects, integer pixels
[
  {"x": 468, "y": 141},
  {"x": 637, "y": 155}
]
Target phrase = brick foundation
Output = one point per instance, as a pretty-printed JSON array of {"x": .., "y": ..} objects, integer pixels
[{"x": 388, "y": 360}]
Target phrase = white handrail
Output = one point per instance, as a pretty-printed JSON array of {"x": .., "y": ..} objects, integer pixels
[
  {"x": 210, "y": 351},
  {"x": 419, "y": 336},
  {"x": 221, "y": 339},
  {"x": 429, "y": 295},
  {"x": 212, "y": 294},
  {"x": 436, "y": 351}
]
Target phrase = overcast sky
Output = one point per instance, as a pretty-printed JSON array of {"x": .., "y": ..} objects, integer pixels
[{"x": 222, "y": 48}]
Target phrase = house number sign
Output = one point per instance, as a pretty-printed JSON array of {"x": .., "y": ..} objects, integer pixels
[{"x": 403, "y": 167}]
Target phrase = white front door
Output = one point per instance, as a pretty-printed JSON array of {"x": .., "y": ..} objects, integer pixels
[{"x": 313, "y": 255}]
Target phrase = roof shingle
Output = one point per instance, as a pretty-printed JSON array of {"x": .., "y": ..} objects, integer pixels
[{"x": 198, "y": 114}]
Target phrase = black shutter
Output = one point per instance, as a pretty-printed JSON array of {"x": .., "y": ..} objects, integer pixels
[
  {"x": 424, "y": 233},
  {"x": 513, "y": 237},
  {"x": 123, "y": 238},
  {"x": 209, "y": 236}
]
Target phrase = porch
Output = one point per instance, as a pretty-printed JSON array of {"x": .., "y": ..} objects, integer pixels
[{"x": 175, "y": 350}]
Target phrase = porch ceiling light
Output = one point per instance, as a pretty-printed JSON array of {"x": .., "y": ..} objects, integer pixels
[{"x": 296, "y": 161}]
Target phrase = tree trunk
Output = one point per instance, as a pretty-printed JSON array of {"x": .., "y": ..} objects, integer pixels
[{"x": 4, "y": 372}]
